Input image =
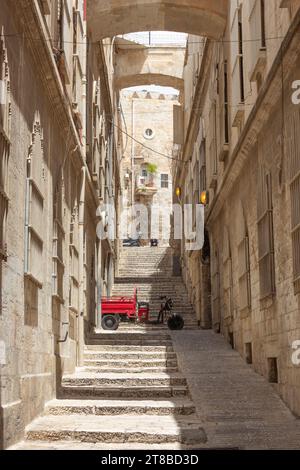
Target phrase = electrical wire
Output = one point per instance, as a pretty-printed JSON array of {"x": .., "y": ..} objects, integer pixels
[
  {"x": 137, "y": 45},
  {"x": 146, "y": 146}
]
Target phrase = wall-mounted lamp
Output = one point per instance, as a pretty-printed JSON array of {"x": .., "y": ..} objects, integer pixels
[
  {"x": 204, "y": 198},
  {"x": 178, "y": 192}
]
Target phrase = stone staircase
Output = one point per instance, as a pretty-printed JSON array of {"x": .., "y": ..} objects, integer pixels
[
  {"x": 151, "y": 271},
  {"x": 129, "y": 394}
]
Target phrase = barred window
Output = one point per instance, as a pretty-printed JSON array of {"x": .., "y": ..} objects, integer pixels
[
  {"x": 244, "y": 274},
  {"x": 228, "y": 275},
  {"x": 293, "y": 157},
  {"x": 265, "y": 234},
  {"x": 58, "y": 243},
  {"x": 5, "y": 122},
  {"x": 164, "y": 181},
  {"x": 74, "y": 263},
  {"x": 216, "y": 290},
  {"x": 35, "y": 207}
]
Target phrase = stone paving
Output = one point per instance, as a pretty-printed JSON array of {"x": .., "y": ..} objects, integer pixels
[
  {"x": 238, "y": 408},
  {"x": 228, "y": 406}
]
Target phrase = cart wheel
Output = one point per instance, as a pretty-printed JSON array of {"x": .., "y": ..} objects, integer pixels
[
  {"x": 175, "y": 322},
  {"x": 110, "y": 322}
]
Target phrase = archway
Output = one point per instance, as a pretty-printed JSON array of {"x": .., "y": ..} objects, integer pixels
[{"x": 109, "y": 18}]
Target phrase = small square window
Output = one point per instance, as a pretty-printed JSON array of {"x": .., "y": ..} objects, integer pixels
[{"x": 165, "y": 181}]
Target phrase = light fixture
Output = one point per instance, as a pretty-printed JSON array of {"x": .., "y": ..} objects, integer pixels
[
  {"x": 204, "y": 198},
  {"x": 178, "y": 192}
]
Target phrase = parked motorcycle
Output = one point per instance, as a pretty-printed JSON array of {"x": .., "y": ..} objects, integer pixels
[{"x": 174, "y": 320}]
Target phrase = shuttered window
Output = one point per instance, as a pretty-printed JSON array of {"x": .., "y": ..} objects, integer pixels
[
  {"x": 216, "y": 289},
  {"x": 58, "y": 244},
  {"x": 202, "y": 165},
  {"x": 293, "y": 157},
  {"x": 74, "y": 263},
  {"x": 5, "y": 122},
  {"x": 35, "y": 207},
  {"x": 265, "y": 234},
  {"x": 227, "y": 276},
  {"x": 244, "y": 274}
]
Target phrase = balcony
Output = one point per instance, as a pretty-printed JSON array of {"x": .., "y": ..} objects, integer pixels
[{"x": 145, "y": 186}]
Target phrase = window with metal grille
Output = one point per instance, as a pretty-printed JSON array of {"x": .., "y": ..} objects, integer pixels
[
  {"x": 244, "y": 274},
  {"x": 35, "y": 207},
  {"x": 216, "y": 290},
  {"x": 74, "y": 263},
  {"x": 265, "y": 234},
  {"x": 202, "y": 165},
  {"x": 227, "y": 276},
  {"x": 5, "y": 122},
  {"x": 164, "y": 181},
  {"x": 293, "y": 157}
]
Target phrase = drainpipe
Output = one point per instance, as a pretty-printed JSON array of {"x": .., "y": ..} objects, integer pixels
[{"x": 80, "y": 339}]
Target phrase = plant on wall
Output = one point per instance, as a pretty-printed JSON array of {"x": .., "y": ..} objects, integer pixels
[{"x": 152, "y": 168}]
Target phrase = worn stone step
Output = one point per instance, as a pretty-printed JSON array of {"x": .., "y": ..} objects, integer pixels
[
  {"x": 134, "y": 370},
  {"x": 130, "y": 343},
  {"x": 151, "y": 429},
  {"x": 125, "y": 379},
  {"x": 121, "y": 407},
  {"x": 129, "y": 363},
  {"x": 88, "y": 391},
  {"x": 135, "y": 354},
  {"x": 130, "y": 336},
  {"x": 129, "y": 348}
]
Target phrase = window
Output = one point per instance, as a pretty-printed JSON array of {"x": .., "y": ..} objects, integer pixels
[
  {"x": 226, "y": 109},
  {"x": 149, "y": 133},
  {"x": 227, "y": 276},
  {"x": 216, "y": 291},
  {"x": 213, "y": 148},
  {"x": 248, "y": 353},
  {"x": 74, "y": 263},
  {"x": 35, "y": 207},
  {"x": 241, "y": 56},
  {"x": 293, "y": 157},
  {"x": 202, "y": 165},
  {"x": 58, "y": 244},
  {"x": 5, "y": 122},
  {"x": 34, "y": 226},
  {"x": 265, "y": 234},
  {"x": 244, "y": 274},
  {"x": 165, "y": 181}
]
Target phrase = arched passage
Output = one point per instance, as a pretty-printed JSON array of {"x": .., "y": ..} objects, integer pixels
[
  {"x": 108, "y": 18},
  {"x": 136, "y": 64}
]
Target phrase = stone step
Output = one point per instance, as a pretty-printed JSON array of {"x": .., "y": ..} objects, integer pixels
[
  {"x": 151, "y": 429},
  {"x": 88, "y": 391},
  {"x": 119, "y": 342},
  {"x": 126, "y": 355},
  {"x": 129, "y": 363},
  {"x": 121, "y": 380},
  {"x": 129, "y": 336},
  {"x": 129, "y": 348},
  {"x": 121, "y": 407},
  {"x": 135, "y": 370}
]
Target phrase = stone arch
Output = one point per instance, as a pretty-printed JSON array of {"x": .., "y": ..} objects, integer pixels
[
  {"x": 136, "y": 64},
  {"x": 109, "y": 18}
]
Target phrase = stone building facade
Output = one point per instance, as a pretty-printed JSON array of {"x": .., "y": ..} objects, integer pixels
[
  {"x": 147, "y": 158},
  {"x": 241, "y": 144},
  {"x": 54, "y": 175}
]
